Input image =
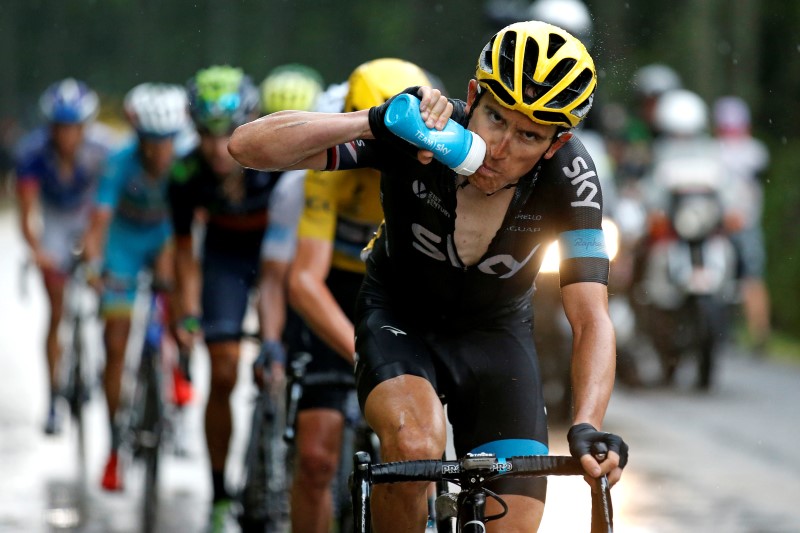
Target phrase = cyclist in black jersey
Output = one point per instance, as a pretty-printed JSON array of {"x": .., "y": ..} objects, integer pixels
[
  {"x": 208, "y": 186},
  {"x": 444, "y": 312},
  {"x": 341, "y": 213}
]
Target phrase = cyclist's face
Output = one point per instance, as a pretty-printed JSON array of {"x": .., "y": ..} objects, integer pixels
[
  {"x": 215, "y": 151},
  {"x": 67, "y": 138},
  {"x": 157, "y": 155},
  {"x": 514, "y": 143}
]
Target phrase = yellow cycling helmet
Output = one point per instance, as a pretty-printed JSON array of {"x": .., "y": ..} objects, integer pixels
[
  {"x": 541, "y": 71},
  {"x": 374, "y": 82},
  {"x": 292, "y": 86}
]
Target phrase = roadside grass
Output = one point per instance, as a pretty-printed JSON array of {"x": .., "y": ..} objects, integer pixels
[{"x": 784, "y": 347}]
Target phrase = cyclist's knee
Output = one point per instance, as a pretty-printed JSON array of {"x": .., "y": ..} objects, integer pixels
[
  {"x": 407, "y": 431},
  {"x": 417, "y": 442},
  {"x": 116, "y": 336},
  {"x": 316, "y": 465},
  {"x": 224, "y": 366}
]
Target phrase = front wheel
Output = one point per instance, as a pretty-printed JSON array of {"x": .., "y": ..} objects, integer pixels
[
  {"x": 148, "y": 438},
  {"x": 264, "y": 497},
  {"x": 712, "y": 323}
]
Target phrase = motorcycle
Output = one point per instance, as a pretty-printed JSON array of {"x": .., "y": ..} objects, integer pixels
[{"x": 688, "y": 276}]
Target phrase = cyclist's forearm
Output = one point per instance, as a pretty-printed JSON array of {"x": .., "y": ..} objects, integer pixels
[
  {"x": 187, "y": 281},
  {"x": 95, "y": 237},
  {"x": 26, "y": 198},
  {"x": 593, "y": 368},
  {"x": 312, "y": 299},
  {"x": 295, "y": 140},
  {"x": 272, "y": 299}
]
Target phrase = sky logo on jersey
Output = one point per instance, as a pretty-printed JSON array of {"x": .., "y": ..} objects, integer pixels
[
  {"x": 392, "y": 329},
  {"x": 512, "y": 266},
  {"x": 586, "y": 189}
]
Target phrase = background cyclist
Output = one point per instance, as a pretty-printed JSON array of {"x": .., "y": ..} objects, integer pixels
[
  {"x": 209, "y": 186},
  {"x": 292, "y": 86},
  {"x": 57, "y": 172},
  {"x": 130, "y": 230},
  {"x": 341, "y": 213},
  {"x": 444, "y": 308}
]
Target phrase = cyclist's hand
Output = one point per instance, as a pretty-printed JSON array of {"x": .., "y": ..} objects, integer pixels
[
  {"x": 269, "y": 367},
  {"x": 44, "y": 261},
  {"x": 434, "y": 107},
  {"x": 582, "y": 438},
  {"x": 435, "y": 110},
  {"x": 186, "y": 331}
]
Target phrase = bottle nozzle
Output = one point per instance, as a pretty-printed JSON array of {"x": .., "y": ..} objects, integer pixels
[{"x": 474, "y": 159}]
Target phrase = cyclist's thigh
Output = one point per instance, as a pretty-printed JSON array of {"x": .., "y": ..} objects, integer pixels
[
  {"x": 387, "y": 347},
  {"x": 495, "y": 402},
  {"x": 61, "y": 232},
  {"x": 227, "y": 280}
]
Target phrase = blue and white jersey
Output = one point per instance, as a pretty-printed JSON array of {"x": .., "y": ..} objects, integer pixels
[
  {"x": 38, "y": 165},
  {"x": 135, "y": 198}
]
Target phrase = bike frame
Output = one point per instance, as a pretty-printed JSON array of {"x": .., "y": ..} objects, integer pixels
[
  {"x": 471, "y": 473},
  {"x": 74, "y": 366},
  {"x": 144, "y": 428}
]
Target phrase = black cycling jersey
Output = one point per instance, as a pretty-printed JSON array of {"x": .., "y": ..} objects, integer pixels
[
  {"x": 237, "y": 212},
  {"x": 415, "y": 259}
]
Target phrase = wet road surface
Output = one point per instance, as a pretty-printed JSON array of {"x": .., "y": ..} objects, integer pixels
[{"x": 723, "y": 461}]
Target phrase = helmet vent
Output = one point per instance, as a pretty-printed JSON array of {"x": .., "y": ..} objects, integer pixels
[
  {"x": 486, "y": 57},
  {"x": 508, "y": 50},
  {"x": 550, "y": 117},
  {"x": 555, "y": 44},
  {"x": 500, "y": 92}
]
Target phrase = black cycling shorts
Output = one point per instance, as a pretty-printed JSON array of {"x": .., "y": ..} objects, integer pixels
[
  {"x": 326, "y": 364},
  {"x": 488, "y": 376},
  {"x": 227, "y": 282}
]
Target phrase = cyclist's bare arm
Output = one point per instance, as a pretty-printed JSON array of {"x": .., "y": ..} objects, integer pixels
[
  {"x": 311, "y": 298},
  {"x": 593, "y": 362},
  {"x": 27, "y": 199},
  {"x": 94, "y": 241},
  {"x": 294, "y": 139},
  {"x": 187, "y": 277},
  {"x": 272, "y": 298}
]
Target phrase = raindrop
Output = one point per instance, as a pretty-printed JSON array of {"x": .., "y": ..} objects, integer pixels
[{"x": 784, "y": 141}]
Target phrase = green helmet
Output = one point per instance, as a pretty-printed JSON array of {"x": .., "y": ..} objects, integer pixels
[
  {"x": 292, "y": 86},
  {"x": 221, "y": 98}
]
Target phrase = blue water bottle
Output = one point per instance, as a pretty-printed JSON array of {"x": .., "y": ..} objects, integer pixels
[{"x": 457, "y": 147}]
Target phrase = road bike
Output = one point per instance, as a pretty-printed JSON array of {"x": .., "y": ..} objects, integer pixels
[
  {"x": 356, "y": 435},
  {"x": 263, "y": 498},
  {"x": 151, "y": 420},
  {"x": 471, "y": 474},
  {"x": 75, "y": 380}
]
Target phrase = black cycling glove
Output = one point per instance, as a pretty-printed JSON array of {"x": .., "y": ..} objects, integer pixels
[
  {"x": 270, "y": 351},
  {"x": 382, "y": 133},
  {"x": 582, "y": 437}
]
